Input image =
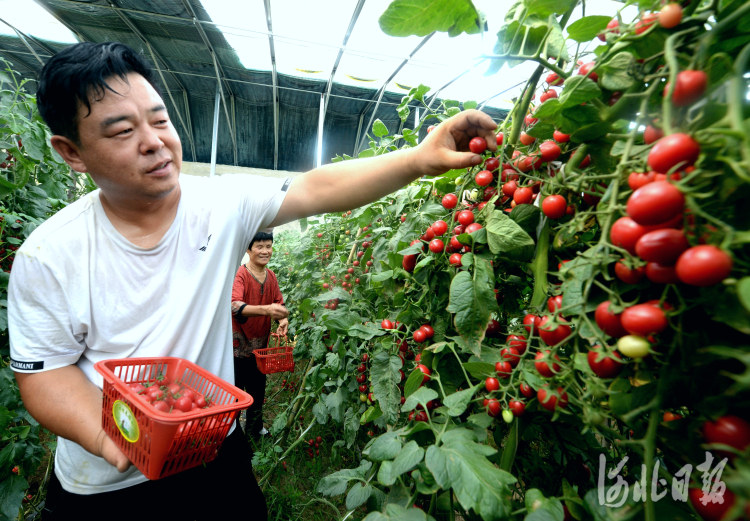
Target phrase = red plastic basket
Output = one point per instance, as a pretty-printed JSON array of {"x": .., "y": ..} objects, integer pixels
[
  {"x": 161, "y": 444},
  {"x": 276, "y": 358}
]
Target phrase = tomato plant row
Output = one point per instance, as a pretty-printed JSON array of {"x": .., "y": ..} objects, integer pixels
[{"x": 579, "y": 297}]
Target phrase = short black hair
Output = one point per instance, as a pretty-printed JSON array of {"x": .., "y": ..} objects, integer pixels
[
  {"x": 81, "y": 71},
  {"x": 260, "y": 236}
]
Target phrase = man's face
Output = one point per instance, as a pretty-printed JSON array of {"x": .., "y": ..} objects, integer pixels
[
  {"x": 128, "y": 143},
  {"x": 261, "y": 252}
]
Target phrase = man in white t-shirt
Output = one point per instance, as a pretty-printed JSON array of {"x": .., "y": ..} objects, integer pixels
[{"x": 144, "y": 267}]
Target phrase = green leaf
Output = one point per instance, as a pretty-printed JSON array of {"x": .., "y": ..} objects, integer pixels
[
  {"x": 526, "y": 216},
  {"x": 385, "y": 377},
  {"x": 575, "y": 507},
  {"x": 365, "y": 331},
  {"x": 379, "y": 128},
  {"x": 510, "y": 448},
  {"x": 372, "y": 413},
  {"x": 409, "y": 457},
  {"x": 394, "y": 512},
  {"x": 587, "y": 28},
  {"x": 12, "y": 489},
  {"x": 548, "y": 110},
  {"x": 413, "y": 382},
  {"x": 575, "y": 276},
  {"x": 383, "y": 275},
  {"x": 578, "y": 89},
  {"x": 743, "y": 292},
  {"x": 541, "y": 131},
  {"x": 385, "y": 447},
  {"x": 458, "y": 402},
  {"x": 453, "y": 111},
  {"x": 469, "y": 105},
  {"x": 351, "y": 426},
  {"x": 357, "y": 495},
  {"x": 461, "y": 464},
  {"x": 479, "y": 370},
  {"x": 544, "y": 8},
  {"x": 425, "y": 480},
  {"x": 420, "y": 18},
  {"x": 320, "y": 412},
  {"x": 472, "y": 300},
  {"x": 507, "y": 237},
  {"x": 336, "y": 484},
  {"x": 335, "y": 403},
  {"x": 482, "y": 419},
  {"x": 571, "y": 119},
  {"x": 421, "y": 396},
  {"x": 615, "y": 74}
]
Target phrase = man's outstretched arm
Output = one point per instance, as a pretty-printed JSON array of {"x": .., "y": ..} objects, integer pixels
[{"x": 349, "y": 184}]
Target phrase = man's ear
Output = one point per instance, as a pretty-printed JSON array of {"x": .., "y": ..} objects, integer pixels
[{"x": 69, "y": 152}]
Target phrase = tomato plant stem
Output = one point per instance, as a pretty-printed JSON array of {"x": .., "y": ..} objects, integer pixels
[{"x": 539, "y": 267}]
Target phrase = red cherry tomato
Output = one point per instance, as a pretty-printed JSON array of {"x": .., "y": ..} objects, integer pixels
[
  {"x": 455, "y": 259},
  {"x": 560, "y": 137},
  {"x": 517, "y": 342},
  {"x": 606, "y": 367},
  {"x": 492, "y": 163},
  {"x": 526, "y": 390},
  {"x": 491, "y": 384},
  {"x": 554, "y": 206},
  {"x": 542, "y": 366},
  {"x": 554, "y": 80},
  {"x": 553, "y": 337},
  {"x": 483, "y": 178},
  {"x": 409, "y": 262},
  {"x": 652, "y": 134},
  {"x": 499, "y": 138},
  {"x": 662, "y": 246},
  {"x": 612, "y": 27},
  {"x": 661, "y": 273},
  {"x": 437, "y": 246},
  {"x": 509, "y": 188},
  {"x": 465, "y": 217},
  {"x": 428, "y": 330},
  {"x": 526, "y": 139},
  {"x": 689, "y": 88},
  {"x": 655, "y": 203},
  {"x": 711, "y": 511},
  {"x": 477, "y": 145},
  {"x": 728, "y": 430},
  {"x": 554, "y": 303},
  {"x": 503, "y": 369},
  {"x": 518, "y": 407},
  {"x": 646, "y": 21},
  {"x": 703, "y": 265},
  {"x": 585, "y": 68},
  {"x": 530, "y": 321},
  {"x": 644, "y": 320},
  {"x": 419, "y": 336},
  {"x": 549, "y": 401},
  {"x": 548, "y": 94},
  {"x": 673, "y": 150},
  {"x": 493, "y": 407},
  {"x": 670, "y": 15},
  {"x": 473, "y": 227},
  {"x": 386, "y": 324},
  {"x": 449, "y": 201},
  {"x": 439, "y": 228},
  {"x": 609, "y": 322},
  {"x": 523, "y": 195},
  {"x": 625, "y": 233},
  {"x": 425, "y": 371},
  {"x": 510, "y": 355}
]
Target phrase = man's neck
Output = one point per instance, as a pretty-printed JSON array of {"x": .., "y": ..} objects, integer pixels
[{"x": 145, "y": 222}]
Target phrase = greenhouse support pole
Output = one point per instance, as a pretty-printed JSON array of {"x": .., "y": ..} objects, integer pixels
[
  {"x": 321, "y": 124},
  {"x": 214, "y": 137}
]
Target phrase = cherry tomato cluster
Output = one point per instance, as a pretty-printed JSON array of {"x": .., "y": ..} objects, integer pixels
[{"x": 170, "y": 398}]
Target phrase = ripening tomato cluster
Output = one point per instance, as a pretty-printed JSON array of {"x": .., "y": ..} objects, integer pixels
[
  {"x": 313, "y": 447},
  {"x": 170, "y": 398},
  {"x": 435, "y": 235},
  {"x": 653, "y": 232}
]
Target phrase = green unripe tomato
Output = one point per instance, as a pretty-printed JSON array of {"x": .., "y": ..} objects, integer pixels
[
  {"x": 459, "y": 181},
  {"x": 363, "y": 398},
  {"x": 633, "y": 346},
  {"x": 508, "y": 415}
]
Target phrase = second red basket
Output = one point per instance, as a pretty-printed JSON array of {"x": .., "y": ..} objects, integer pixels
[{"x": 276, "y": 358}]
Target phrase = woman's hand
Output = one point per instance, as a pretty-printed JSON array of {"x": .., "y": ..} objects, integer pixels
[{"x": 276, "y": 311}]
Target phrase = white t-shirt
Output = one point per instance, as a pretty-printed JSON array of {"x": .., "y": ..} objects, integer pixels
[{"x": 80, "y": 292}]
